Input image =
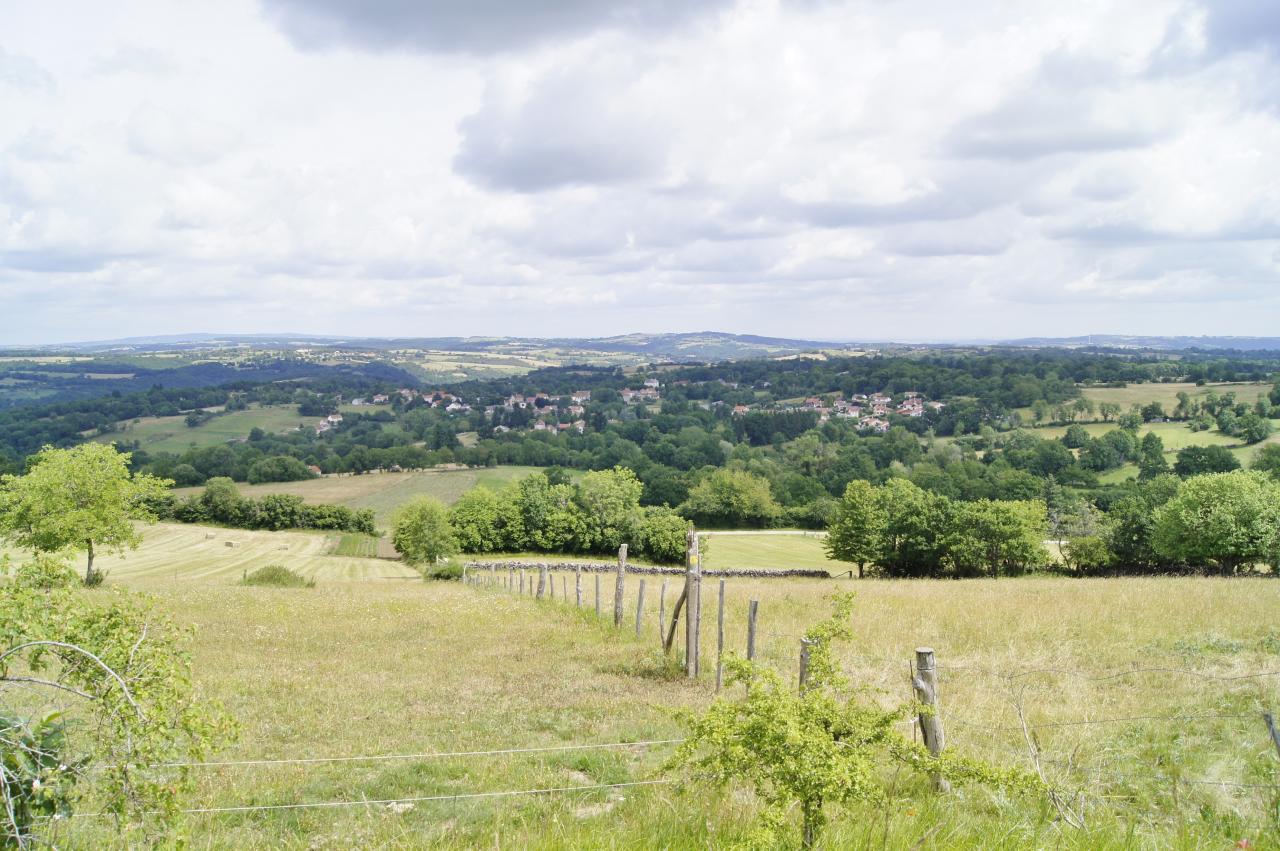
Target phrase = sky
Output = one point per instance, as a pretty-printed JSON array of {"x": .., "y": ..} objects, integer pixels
[{"x": 887, "y": 169}]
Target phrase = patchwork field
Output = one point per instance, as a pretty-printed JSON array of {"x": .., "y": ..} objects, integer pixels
[
  {"x": 171, "y": 434},
  {"x": 1127, "y": 685}
]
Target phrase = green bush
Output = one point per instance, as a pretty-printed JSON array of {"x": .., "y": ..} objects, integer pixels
[
  {"x": 277, "y": 576},
  {"x": 444, "y": 570},
  {"x": 47, "y": 571}
]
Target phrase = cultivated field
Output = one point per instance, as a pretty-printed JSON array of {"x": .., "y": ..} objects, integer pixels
[
  {"x": 177, "y": 551},
  {"x": 171, "y": 434},
  {"x": 385, "y": 492},
  {"x": 392, "y": 668}
]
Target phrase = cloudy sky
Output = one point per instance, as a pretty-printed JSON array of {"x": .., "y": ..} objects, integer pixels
[{"x": 907, "y": 169}]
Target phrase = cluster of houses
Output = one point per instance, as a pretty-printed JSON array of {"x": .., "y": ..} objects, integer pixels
[{"x": 871, "y": 411}]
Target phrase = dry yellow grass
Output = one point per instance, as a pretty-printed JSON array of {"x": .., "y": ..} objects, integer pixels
[{"x": 364, "y": 667}]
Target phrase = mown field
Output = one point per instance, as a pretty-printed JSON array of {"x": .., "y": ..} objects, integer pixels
[
  {"x": 171, "y": 434},
  {"x": 385, "y": 492},
  {"x": 359, "y": 668}
]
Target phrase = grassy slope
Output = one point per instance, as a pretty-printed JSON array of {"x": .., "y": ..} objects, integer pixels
[
  {"x": 171, "y": 434},
  {"x": 403, "y": 667}
]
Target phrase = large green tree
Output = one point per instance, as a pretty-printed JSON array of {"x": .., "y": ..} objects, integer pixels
[
  {"x": 79, "y": 499},
  {"x": 421, "y": 532},
  {"x": 610, "y": 502},
  {"x": 1229, "y": 519},
  {"x": 995, "y": 536},
  {"x": 1196, "y": 460},
  {"x": 731, "y": 498},
  {"x": 857, "y": 530}
]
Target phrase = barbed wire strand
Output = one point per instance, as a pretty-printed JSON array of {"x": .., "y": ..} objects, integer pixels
[
  {"x": 390, "y": 801},
  {"x": 427, "y": 755}
]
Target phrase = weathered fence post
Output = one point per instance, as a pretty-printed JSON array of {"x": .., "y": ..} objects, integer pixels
[
  {"x": 551, "y": 586},
  {"x": 577, "y": 585},
  {"x": 522, "y": 582},
  {"x": 619, "y": 585},
  {"x": 720, "y": 639},
  {"x": 564, "y": 589},
  {"x": 926, "y": 685},
  {"x": 752, "y": 610},
  {"x": 693, "y": 617},
  {"x": 639, "y": 608},
  {"x": 597, "y": 595},
  {"x": 1270, "y": 721},
  {"x": 542, "y": 580},
  {"x": 805, "y": 645},
  {"x": 662, "y": 609},
  {"x": 465, "y": 579},
  {"x": 511, "y": 579}
]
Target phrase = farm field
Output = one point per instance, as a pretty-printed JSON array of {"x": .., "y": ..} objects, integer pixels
[
  {"x": 201, "y": 554},
  {"x": 385, "y": 492},
  {"x": 1175, "y": 436},
  {"x": 171, "y": 434},
  {"x": 769, "y": 550},
  {"x": 1167, "y": 394},
  {"x": 367, "y": 668}
]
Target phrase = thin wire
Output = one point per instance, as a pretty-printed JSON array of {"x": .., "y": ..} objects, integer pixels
[
  {"x": 414, "y": 800},
  {"x": 964, "y": 723},
  {"x": 432, "y": 755}
]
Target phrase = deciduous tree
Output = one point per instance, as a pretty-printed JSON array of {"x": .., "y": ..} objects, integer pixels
[{"x": 80, "y": 499}]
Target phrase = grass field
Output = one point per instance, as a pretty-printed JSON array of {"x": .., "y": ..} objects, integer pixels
[
  {"x": 357, "y": 546},
  {"x": 352, "y": 668},
  {"x": 201, "y": 553},
  {"x": 385, "y": 492},
  {"x": 764, "y": 551},
  {"x": 1175, "y": 436},
  {"x": 171, "y": 434},
  {"x": 1167, "y": 394}
]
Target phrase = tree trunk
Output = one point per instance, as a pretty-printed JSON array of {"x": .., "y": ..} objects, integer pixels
[
  {"x": 88, "y": 571},
  {"x": 812, "y": 817},
  {"x": 859, "y": 570}
]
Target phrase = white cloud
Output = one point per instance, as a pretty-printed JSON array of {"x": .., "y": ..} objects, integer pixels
[{"x": 862, "y": 169}]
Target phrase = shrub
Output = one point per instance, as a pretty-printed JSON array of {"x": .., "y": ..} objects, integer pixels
[
  {"x": 47, "y": 571},
  {"x": 277, "y": 576},
  {"x": 421, "y": 532},
  {"x": 444, "y": 570}
]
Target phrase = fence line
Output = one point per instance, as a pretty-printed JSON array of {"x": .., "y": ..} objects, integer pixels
[
  {"x": 428, "y": 755},
  {"x": 1086, "y": 722},
  {"x": 461, "y": 796}
]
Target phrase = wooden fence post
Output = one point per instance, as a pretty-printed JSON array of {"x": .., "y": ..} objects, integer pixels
[
  {"x": 693, "y": 617},
  {"x": 926, "y": 685},
  {"x": 720, "y": 639},
  {"x": 564, "y": 589},
  {"x": 511, "y": 579},
  {"x": 522, "y": 582},
  {"x": 805, "y": 644},
  {"x": 752, "y": 610},
  {"x": 619, "y": 585},
  {"x": 551, "y": 586},
  {"x": 597, "y": 595},
  {"x": 1270, "y": 721},
  {"x": 465, "y": 580},
  {"x": 542, "y": 580},
  {"x": 577, "y": 585},
  {"x": 662, "y": 609},
  {"x": 639, "y": 608}
]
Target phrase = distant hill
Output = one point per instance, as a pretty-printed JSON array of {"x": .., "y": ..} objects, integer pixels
[
  {"x": 1127, "y": 341},
  {"x": 702, "y": 345}
]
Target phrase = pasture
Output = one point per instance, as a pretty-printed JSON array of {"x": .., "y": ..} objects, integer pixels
[
  {"x": 1167, "y": 394},
  {"x": 367, "y": 668},
  {"x": 171, "y": 434}
]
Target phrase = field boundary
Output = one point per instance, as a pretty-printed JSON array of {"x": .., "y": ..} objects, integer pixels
[{"x": 650, "y": 570}]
